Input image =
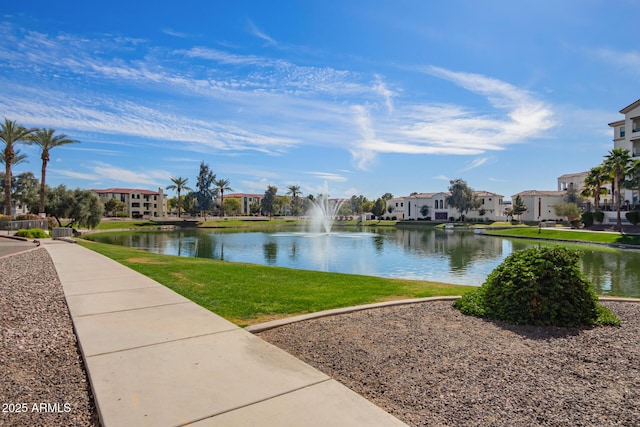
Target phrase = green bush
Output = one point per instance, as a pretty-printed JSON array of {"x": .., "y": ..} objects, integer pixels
[
  {"x": 598, "y": 216},
  {"x": 541, "y": 287},
  {"x": 633, "y": 217},
  {"x": 587, "y": 218},
  {"x": 33, "y": 233}
]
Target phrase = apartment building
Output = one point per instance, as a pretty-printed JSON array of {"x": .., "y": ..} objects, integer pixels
[
  {"x": 433, "y": 206},
  {"x": 139, "y": 203},
  {"x": 246, "y": 201},
  {"x": 540, "y": 204},
  {"x": 626, "y": 135}
]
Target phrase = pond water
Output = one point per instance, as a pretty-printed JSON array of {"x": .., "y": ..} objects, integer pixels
[{"x": 427, "y": 254}]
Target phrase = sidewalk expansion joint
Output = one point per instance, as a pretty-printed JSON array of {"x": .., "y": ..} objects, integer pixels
[
  {"x": 162, "y": 342},
  {"x": 129, "y": 309},
  {"x": 266, "y": 399}
]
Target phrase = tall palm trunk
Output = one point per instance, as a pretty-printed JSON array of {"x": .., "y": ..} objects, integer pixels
[
  {"x": 8, "y": 159},
  {"x": 43, "y": 185}
]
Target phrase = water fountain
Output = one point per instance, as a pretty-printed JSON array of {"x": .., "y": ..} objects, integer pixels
[{"x": 322, "y": 214}]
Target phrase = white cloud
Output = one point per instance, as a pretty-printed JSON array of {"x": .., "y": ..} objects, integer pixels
[
  {"x": 430, "y": 128},
  {"x": 475, "y": 163},
  {"x": 629, "y": 59},
  {"x": 259, "y": 33},
  {"x": 328, "y": 176},
  {"x": 442, "y": 178}
]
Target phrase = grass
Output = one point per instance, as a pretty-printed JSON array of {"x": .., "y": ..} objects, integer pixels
[
  {"x": 248, "y": 294},
  {"x": 113, "y": 225},
  {"x": 567, "y": 235}
]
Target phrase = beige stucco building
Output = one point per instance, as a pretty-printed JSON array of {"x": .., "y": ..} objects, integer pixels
[
  {"x": 433, "y": 207},
  {"x": 540, "y": 204},
  {"x": 626, "y": 135},
  {"x": 139, "y": 203}
]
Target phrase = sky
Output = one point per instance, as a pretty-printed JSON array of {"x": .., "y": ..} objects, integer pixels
[{"x": 360, "y": 97}]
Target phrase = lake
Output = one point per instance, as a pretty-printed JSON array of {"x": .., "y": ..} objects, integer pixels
[{"x": 457, "y": 257}]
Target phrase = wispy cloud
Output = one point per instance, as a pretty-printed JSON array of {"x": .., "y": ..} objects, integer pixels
[
  {"x": 442, "y": 178},
  {"x": 259, "y": 33},
  {"x": 627, "y": 59},
  {"x": 328, "y": 176},
  {"x": 171, "y": 32},
  {"x": 475, "y": 163},
  {"x": 431, "y": 128}
]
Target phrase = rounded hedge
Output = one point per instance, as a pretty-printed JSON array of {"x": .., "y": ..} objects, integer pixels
[{"x": 537, "y": 286}]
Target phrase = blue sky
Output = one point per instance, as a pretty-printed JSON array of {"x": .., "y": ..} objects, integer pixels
[{"x": 368, "y": 97}]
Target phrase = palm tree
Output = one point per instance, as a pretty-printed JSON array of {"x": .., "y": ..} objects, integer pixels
[
  {"x": 294, "y": 192},
  {"x": 11, "y": 134},
  {"x": 596, "y": 177},
  {"x": 17, "y": 158},
  {"x": 633, "y": 180},
  {"x": 179, "y": 184},
  {"x": 222, "y": 185},
  {"x": 46, "y": 140},
  {"x": 618, "y": 163}
]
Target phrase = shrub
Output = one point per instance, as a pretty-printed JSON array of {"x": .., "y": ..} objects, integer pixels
[
  {"x": 587, "y": 218},
  {"x": 633, "y": 217},
  {"x": 598, "y": 216},
  {"x": 33, "y": 233},
  {"x": 541, "y": 287}
]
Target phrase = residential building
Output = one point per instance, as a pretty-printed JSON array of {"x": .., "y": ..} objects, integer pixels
[
  {"x": 626, "y": 135},
  {"x": 540, "y": 204},
  {"x": 433, "y": 207},
  {"x": 139, "y": 203},
  {"x": 572, "y": 181},
  {"x": 246, "y": 200}
]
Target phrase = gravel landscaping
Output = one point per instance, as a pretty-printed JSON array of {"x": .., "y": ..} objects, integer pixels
[
  {"x": 429, "y": 365},
  {"x": 42, "y": 376}
]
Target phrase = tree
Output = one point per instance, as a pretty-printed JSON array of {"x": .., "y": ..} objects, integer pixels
[
  {"x": 379, "y": 207},
  {"x": 518, "y": 207},
  {"x": 618, "y": 163},
  {"x": 205, "y": 194},
  {"x": 81, "y": 207},
  {"x": 222, "y": 185},
  {"x": 268, "y": 200},
  {"x": 232, "y": 205},
  {"x": 17, "y": 158},
  {"x": 46, "y": 140},
  {"x": 461, "y": 197},
  {"x": 570, "y": 210},
  {"x": 114, "y": 205},
  {"x": 11, "y": 134},
  {"x": 24, "y": 189},
  {"x": 179, "y": 184},
  {"x": 295, "y": 193},
  {"x": 593, "y": 183},
  {"x": 633, "y": 180},
  {"x": 387, "y": 196},
  {"x": 356, "y": 203}
]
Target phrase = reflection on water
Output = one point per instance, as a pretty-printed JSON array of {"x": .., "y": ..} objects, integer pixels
[{"x": 445, "y": 256}]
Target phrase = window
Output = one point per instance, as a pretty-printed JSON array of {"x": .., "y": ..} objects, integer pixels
[
  {"x": 622, "y": 132},
  {"x": 635, "y": 125}
]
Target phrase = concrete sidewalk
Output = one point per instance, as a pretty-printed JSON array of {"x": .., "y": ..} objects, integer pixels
[
  {"x": 155, "y": 358},
  {"x": 10, "y": 245}
]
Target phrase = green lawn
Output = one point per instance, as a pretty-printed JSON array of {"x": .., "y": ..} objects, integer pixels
[
  {"x": 568, "y": 235},
  {"x": 248, "y": 294},
  {"x": 114, "y": 225}
]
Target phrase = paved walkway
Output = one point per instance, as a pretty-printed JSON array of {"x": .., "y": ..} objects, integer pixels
[
  {"x": 155, "y": 358},
  {"x": 10, "y": 246}
]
